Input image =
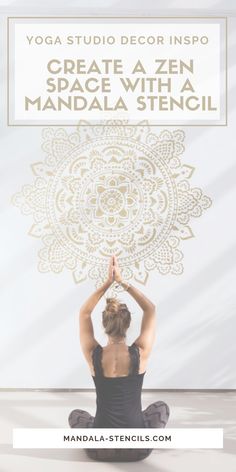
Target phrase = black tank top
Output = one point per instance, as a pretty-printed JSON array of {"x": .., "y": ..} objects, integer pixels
[{"x": 118, "y": 398}]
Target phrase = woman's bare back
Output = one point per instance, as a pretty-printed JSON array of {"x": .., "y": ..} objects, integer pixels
[{"x": 115, "y": 360}]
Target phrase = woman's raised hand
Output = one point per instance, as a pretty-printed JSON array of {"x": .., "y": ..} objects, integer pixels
[
  {"x": 117, "y": 273},
  {"x": 111, "y": 270}
]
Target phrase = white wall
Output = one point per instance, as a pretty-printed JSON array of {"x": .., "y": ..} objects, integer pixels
[{"x": 195, "y": 348}]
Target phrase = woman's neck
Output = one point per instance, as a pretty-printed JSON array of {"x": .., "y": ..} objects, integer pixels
[{"x": 116, "y": 341}]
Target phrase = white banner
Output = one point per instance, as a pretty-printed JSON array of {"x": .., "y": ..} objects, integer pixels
[
  {"x": 174, "y": 438},
  {"x": 164, "y": 71}
]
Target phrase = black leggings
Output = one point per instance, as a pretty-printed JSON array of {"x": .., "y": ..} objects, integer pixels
[{"x": 155, "y": 416}]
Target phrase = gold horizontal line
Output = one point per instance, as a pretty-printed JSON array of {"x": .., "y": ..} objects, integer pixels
[
  {"x": 127, "y": 125},
  {"x": 120, "y": 17}
]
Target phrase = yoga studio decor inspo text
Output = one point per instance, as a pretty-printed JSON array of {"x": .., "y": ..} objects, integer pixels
[{"x": 169, "y": 71}]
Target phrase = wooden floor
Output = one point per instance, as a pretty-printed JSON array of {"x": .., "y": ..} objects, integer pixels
[{"x": 43, "y": 409}]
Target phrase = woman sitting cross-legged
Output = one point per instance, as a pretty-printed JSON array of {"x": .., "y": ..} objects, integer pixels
[{"x": 118, "y": 369}]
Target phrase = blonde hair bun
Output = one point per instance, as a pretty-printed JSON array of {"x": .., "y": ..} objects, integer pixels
[
  {"x": 116, "y": 317},
  {"x": 112, "y": 305}
]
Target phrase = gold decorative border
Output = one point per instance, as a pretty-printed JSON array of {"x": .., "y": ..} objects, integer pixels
[{"x": 225, "y": 18}]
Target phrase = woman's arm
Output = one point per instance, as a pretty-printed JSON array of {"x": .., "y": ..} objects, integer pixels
[
  {"x": 148, "y": 327},
  {"x": 140, "y": 298},
  {"x": 89, "y": 305},
  {"x": 87, "y": 340}
]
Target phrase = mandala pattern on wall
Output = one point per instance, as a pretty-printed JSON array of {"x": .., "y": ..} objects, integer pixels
[{"x": 104, "y": 190}]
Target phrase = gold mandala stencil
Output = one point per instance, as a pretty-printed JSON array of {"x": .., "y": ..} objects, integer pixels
[{"x": 105, "y": 190}]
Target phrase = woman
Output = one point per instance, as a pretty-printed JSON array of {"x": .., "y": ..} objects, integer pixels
[{"x": 118, "y": 369}]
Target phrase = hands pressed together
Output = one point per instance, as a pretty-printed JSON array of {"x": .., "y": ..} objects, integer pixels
[{"x": 114, "y": 270}]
